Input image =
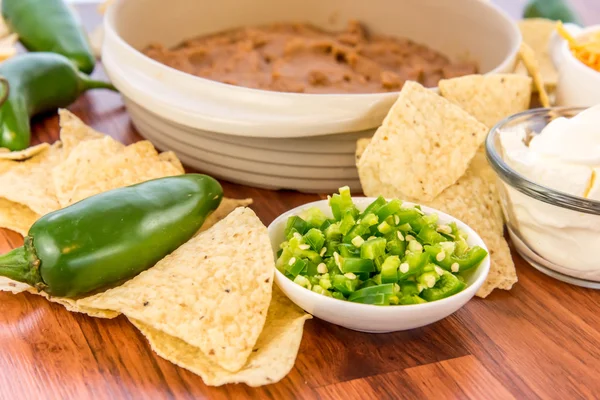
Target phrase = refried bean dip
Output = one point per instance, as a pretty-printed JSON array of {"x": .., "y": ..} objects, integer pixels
[{"x": 300, "y": 58}]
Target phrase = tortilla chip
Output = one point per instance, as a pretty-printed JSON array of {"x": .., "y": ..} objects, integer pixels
[
  {"x": 361, "y": 146},
  {"x": 169, "y": 156},
  {"x": 73, "y": 306},
  {"x": 8, "y": 285},
  {"x": 475, "y": 202},
  {"x": 531, "y": 63},
  {"x": 271, "y": 359},
  {"x": 489, "y": 98},
  {"x": 213, "y": 292},
  {"x": 16, "y": 217},
  {"x": 424, "y": 145},
  {"x": 99, "y": 165},
  {"x": 24, "y": 154},
  {"x": 225, "y": 208},
  {"x": 73, "y": 131},
  {"x": 26, "y": 182},
  {"x": 536, "y": 33}
]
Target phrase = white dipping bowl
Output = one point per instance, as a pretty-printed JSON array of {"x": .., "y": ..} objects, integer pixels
[
  {"x": 372, "y": 318},
  {"x": 271, "y": 139}
]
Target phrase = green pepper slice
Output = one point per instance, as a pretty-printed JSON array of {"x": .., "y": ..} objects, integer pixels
[
  {"x": 389, "y": 270},
  {"x": 374, "y": 206},
  {"x": 344, "y": 285},
  {"x": 473, "y": 257},
  {"x": 315, "y": 239},
  {"x": 446, "y": 286},
  {"x": 390, "y": 208},
  {"x": 295, "y": 224},
  {"x": 373, "y": 248},
  {"x": 357, "y": 265},
  {"x": 429, "y": 235},
  {"x": 376, "y": 299},
  {"x": 373, "y": 290}
]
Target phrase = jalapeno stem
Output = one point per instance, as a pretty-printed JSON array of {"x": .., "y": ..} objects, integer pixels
[
  {"x": 22, "y": 265},
  {"x": 89, "y": 83}
]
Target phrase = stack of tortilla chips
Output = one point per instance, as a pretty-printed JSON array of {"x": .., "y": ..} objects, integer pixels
[
  {"x": 210, "y": 306},
  {"x": 429, "y": 151}
]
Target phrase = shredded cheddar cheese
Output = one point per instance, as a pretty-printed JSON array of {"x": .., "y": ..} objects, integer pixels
[{"x": 585, "y": 50}]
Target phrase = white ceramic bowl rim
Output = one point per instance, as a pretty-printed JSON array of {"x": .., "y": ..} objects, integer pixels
[
  {"x": 109, "y": 26},
  {"x": 482, "y": 269}
]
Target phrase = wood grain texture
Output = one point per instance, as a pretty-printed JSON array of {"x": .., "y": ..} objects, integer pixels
[{"x": 540, "y": 340}]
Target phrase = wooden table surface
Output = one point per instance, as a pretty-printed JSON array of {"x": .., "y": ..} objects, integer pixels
[{"x": 540, "y": 340}]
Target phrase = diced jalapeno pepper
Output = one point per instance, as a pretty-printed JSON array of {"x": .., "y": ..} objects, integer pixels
[
  {"x": 373, "y": 248},
  {"x": 344, "y": 285},
  {"x": 332, "y": 232},
  {"x": 315, "y": 239},
  {"x": 396, "y": 247},
  {"x": 338, "y": 295},
  {"x": 389, "y": 288},
  {"x": 376, "y": 299},
  {"x": 429, "y": 235},
  {"x": 348, "y": 250},
  {"x": 389, "y": 270},
  {"x": 296, "y": 268},
  {"x": 303, "y": 281},
  {"x": 409, "y": 288},
  {"x": 295, "y": 224},
  {"x": 347, "y": 223},
  {"x": 453, "y": 263},
  {"x": 446, "y": 286},
  {"x": 411, "y": 299},
  {"x": 357, "y": 265},
  {"x": 341, "y": 204},
  {"x": 412, "y": 265},
  {"x": 330, "y": 248},
  {"x": 326, "y": 224},
  {"x": 374, "y": 206},
  {"x": 389, "y": 209},
  {"x": 406, "y": 215},
  {"x": 314, "y": 217}
]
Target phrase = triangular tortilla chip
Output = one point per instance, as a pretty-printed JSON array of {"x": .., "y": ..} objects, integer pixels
[
  {"x": 536, "y": 33},
  {"x": 213, "y": 292},
  {"x": 489, "y": 98},
  {"x": 99, "y": 165},
  {"x": 27, "y": 182},
  {"x": 474, "y": 201},
  {"x": 24, "y": 154},
  {"x": 73, "y": 131},
  {"x": 16, "y": 217},
  {"x": 169, "y": 156},
  {"x": 423, "y": 146},
  {"x": 225, "y": 208},
  {"x": 530, "y": 61},
  {"x": 272, "y": 357}
]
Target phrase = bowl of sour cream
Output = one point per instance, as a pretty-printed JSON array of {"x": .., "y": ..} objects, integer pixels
[{"x": 548, "y": 167}]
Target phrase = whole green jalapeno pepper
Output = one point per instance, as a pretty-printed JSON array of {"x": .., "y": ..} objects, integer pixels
[
  {"x": 50, "y": 25},
  {"x": 557, "y": 10},
  {"x": 111, "y": 237},
  {"x": 35, "y": 83}
]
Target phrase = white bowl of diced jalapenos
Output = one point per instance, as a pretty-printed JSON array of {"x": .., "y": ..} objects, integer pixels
[{"x": 376, "y": 265}]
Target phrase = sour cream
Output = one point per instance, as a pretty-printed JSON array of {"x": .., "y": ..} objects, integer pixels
[{"x": 564, "y": 156}]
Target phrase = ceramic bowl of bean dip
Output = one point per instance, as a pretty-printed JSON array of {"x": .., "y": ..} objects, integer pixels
[{"x": 276, "y": 93}]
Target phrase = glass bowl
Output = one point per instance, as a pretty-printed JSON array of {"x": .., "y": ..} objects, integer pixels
[{"x": 556, "y": 232}]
